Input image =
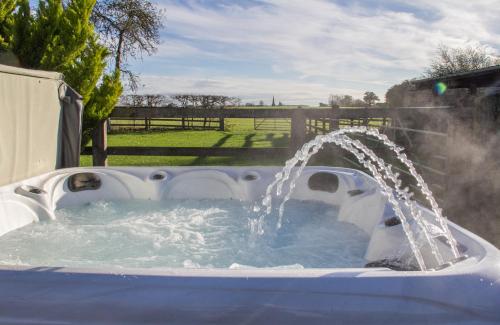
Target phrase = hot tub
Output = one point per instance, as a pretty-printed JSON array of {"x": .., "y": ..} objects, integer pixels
[{"x": 324, "y": 286}]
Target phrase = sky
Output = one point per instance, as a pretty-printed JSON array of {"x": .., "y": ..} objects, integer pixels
[{"x": 301, "y": 51}]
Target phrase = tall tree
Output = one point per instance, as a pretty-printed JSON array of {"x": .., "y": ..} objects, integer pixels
[
  {"x": 6, "y": 22},
  {"x": 370, "y": 98},
  {"x": 455, "y": 60},
  {"x": 59, "y": 36},
  {"x": 130, "y": 28}
]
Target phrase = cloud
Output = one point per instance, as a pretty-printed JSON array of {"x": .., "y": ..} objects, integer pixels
[{"x": 367, "y": 45}]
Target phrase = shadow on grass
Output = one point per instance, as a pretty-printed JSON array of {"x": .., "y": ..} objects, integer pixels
[
  {"x": 282, "y": 141},
  {"x": 248, "y": 140},
  {"x": 218, "y": 144}
]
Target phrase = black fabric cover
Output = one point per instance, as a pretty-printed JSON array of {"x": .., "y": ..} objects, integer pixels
[{"x": 72, "y": 112}]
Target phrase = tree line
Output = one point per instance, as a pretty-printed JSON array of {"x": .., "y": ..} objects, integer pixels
[
  {"x": 369, "y": 99},
  {"x": 179, "y": 100}
]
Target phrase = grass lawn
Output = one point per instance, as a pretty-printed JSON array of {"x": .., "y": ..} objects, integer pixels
[{"x": 238, "y": 133}]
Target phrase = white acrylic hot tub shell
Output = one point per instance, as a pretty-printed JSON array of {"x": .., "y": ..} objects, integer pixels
[{"x": 467, "y": 292}]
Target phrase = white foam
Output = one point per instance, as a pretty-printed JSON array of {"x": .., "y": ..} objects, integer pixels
[{"x": 185, "y": 233}]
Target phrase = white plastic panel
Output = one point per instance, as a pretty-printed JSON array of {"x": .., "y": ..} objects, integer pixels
[
  {"x": 15, "y": 214},
  {"x": 112, "y": 188},
  {"x": 203, "y": 184}
]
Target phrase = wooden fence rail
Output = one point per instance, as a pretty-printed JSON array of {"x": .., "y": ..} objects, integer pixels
[
  {"x": 313, "y": 113},
  {"x": 192, "y": 151}
]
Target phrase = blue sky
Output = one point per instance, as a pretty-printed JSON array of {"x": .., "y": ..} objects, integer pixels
[{"x": 303, "y": 50}]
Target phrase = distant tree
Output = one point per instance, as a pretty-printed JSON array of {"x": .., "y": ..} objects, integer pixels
[
  {"x": 204, "y": 101},
  {"x": 455, "y": 60},
  {"x": 147, "y": 100},
  {"x": 181, "y": 100},
  {"x": 235, "y": 101},
  {"x": 280, "y": 104},
  {"x": 370, "y": 98},
  {"x": 394, "y": 97},
  {"x": 334, "y": 100},
  {"x": 358, "y": 103},
  {"x": 59, "y": 36},
  {"x": 155, "y": 100},
  {"x": 346, "y": 100},
  {"x": 249, "y": 104},
  {"x": 129, "y": 28},
  {"x": 341, "y": 100},
  {"x": 131, "y": 100},
  {"x": 261, "y": 103}
]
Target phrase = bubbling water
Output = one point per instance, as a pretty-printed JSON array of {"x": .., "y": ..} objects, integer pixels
[
  {"x": 381, "y": 171},
  {"x": 184, "y": 233}
]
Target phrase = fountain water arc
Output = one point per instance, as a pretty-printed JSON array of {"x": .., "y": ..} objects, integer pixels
[{"x": 381, "y": 171}]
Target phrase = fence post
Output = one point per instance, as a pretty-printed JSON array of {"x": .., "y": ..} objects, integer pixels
[
  {"x": 100, "y": 144},
  {"x": 298, "y": 136},
  {"x": 221, "y": 124},
  {"x": 334, "y": 123},
  {"x": 391, "y": 124}
]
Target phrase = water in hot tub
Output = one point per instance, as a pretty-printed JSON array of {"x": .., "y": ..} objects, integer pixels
[{"x": 186, "y": 233}]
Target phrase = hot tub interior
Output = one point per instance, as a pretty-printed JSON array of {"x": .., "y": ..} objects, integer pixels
[
  {"x": 186, "y": 233},
  {"x": 204, "y": 218}
]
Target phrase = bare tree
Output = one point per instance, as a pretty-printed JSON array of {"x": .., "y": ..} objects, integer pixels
[
  {"x": 129, "y": 28},
  {"x": 181, "y": 100},
  {"x": 370, "y": 98},
  {"x": 456, "y": 60},
  {"x": 235, "y": 101},
  {"x": 204, "y": 101},
  {"x": 341, "y": 100},
  {"x": 147, "y": 100}
]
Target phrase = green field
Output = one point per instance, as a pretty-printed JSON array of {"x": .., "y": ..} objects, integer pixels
[{"x": 238, "y": 133}]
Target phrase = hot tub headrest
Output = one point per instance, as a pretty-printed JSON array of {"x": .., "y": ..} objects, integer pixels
[
  {"x": 323, "y": 181},
  {"x": 84, "y": 182}
]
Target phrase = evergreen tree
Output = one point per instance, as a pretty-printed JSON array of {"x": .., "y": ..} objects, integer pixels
[
  {"x": 6, "y": 21},
  {"x": 59, "y": 36}
]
